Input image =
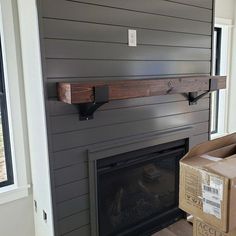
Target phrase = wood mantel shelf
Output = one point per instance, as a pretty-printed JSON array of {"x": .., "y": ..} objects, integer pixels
[{"x": 91, "y": 95}]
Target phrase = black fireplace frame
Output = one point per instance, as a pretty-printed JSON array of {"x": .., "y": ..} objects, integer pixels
[{"x": 117, "y": 147}]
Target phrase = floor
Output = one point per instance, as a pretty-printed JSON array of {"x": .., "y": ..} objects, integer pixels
[{"x": 181, "y": 228}]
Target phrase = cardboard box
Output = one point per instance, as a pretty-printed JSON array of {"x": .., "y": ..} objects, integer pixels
[
  {"x": 200, "y": 228},
  {"x": 208, "y": 183}
]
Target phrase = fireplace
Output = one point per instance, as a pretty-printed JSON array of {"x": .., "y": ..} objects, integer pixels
[{"x": 137, "y": 192}]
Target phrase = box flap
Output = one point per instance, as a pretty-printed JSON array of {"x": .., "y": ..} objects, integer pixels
[
  {"x": 211, "y": 157},
  {"x": 211, "y": 146},
  {"x": 223, "y": 152},
  {"x": 226, "y": 167}
]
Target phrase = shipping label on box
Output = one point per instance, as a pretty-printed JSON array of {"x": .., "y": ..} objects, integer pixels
[{"x": 212, "y": 195}]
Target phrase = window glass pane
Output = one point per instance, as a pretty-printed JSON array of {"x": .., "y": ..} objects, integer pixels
[
  {"x": 214, "y": 112},
  {"x": 3, "y": 169},
  {"x": 215, "y": 71}
]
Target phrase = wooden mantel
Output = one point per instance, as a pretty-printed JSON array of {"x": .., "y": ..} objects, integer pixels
[
  {"x": 83, "y": 92},
  {"x": 103, "y": 91}
]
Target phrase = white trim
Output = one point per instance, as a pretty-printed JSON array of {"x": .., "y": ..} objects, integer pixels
[
  {"x": 9, "y": 194},
  {"x": 36, "y": 117},
  {"x": 215, "y": 136},
  {"x": 224, "y": 21},
  {"x": 15, "y": 102},
  {"x": 227, "y": 32}
]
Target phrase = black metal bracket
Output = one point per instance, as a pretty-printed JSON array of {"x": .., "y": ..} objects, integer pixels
[
  {"x": 101, "y": 97},
  {"x": 193, "y": 97}
]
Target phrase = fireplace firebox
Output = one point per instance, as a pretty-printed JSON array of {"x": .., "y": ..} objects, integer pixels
[{"x": 138, "y": 191}]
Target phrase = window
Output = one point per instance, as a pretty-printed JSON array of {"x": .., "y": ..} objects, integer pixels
[
  {"x": 216, "y": 71},
  {"x": 14, "y": 151},
  {"x": 6, "y": 172},
  {"x": 221, "y": 66}
]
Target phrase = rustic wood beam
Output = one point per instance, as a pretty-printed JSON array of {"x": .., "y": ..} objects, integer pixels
[{"x": 83, "y": 92}]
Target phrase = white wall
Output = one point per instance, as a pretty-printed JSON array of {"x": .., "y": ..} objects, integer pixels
[
  {"x": 16, "y": 218},
  {"x": 225, "y": 9}
]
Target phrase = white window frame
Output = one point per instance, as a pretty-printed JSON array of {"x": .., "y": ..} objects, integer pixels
[
  {"x": 15, "y": 102},
  {"x": 226, "y": 26}
]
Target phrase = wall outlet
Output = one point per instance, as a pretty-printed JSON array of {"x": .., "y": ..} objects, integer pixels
[
  {"x": 35, "y": 206},
  {"x": 45, "y": 216},
  {"x": 132, "y": 38}
]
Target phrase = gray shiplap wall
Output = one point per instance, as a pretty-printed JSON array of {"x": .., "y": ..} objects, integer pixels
[{"x": 87, "y": 40}]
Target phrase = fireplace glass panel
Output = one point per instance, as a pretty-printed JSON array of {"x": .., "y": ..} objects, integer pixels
[{"x": 138, "y": 191}]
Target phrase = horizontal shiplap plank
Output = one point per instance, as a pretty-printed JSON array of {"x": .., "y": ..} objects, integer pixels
[
  {"x": 97, "y": 135},
  {"x": 160, "y": 7},
  {"x": 77, "y": 172},
  {"x": 106, "y": 68},
  {"x": 71, "y": 30},
  {"x": 71, "y": 190},
  {"x": 107, "y": 51},
  {"x": 200, "y": 138},
  {"x": 111, "y": 16},
  {"x": 72, "y": 206},
  {"x": 82, "y": 231},
  {"x": 57, "y": 108},
  {"x": 198, "y": 3},
  {"x": 68, "y": 123},
  {"x": 71, "y": 157},
  {"x": 73, "y": 222}
]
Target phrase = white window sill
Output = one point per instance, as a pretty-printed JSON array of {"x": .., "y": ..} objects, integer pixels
[
  {"x": 215, "y": 136},
  {"x": 13, "y": 193}
]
